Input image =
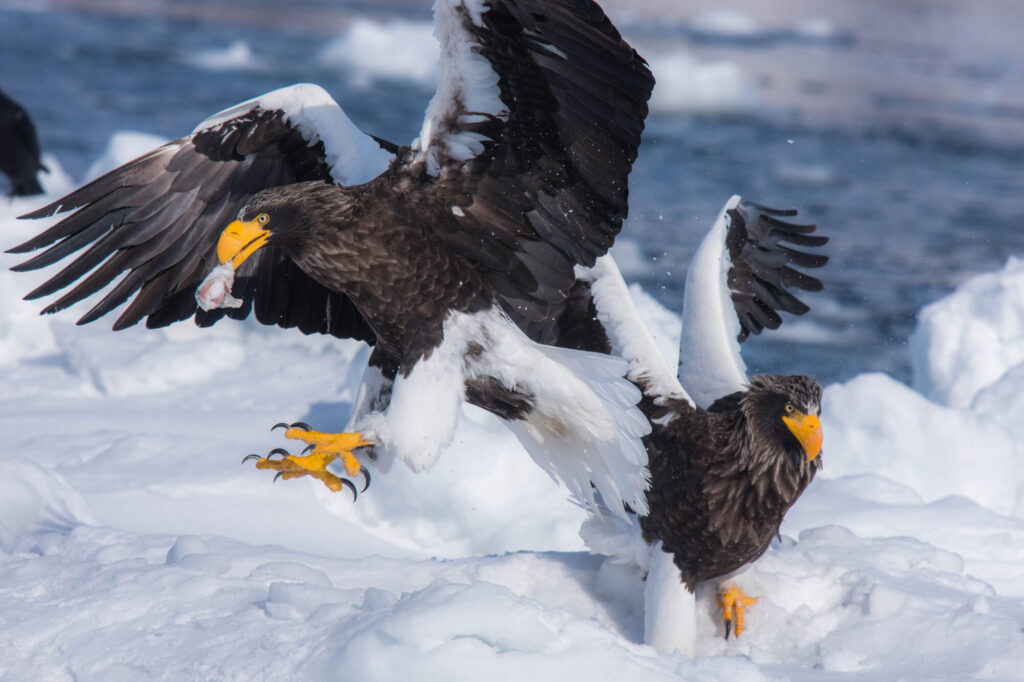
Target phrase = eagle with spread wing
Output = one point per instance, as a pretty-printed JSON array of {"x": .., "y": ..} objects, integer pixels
[{"x": 281, "y": 207}]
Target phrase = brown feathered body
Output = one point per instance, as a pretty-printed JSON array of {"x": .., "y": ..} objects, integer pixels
[
  {"x": 371, "y": 243},
  {"x": 722, "y": 479}
]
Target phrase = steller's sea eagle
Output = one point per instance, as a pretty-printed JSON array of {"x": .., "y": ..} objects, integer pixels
[
  {"x": 728, "y": 455},
  {"x": 286, "y": 209}
]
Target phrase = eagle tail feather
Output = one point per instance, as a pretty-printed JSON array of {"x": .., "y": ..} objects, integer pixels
[{"x": 586, "y": 432}]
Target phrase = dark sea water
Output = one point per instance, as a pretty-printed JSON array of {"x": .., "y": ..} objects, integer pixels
[{"x": 897, "y": 127}]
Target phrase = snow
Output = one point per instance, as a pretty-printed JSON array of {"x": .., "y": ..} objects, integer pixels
[
  {"x": 134, "y": 545},
  {"x": 970, "y": 339}
]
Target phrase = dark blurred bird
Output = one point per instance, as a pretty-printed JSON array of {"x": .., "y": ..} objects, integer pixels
[{"x": 19, "y": 148}]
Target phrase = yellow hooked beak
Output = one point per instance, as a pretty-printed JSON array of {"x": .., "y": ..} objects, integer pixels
[
  {"x": 807, "y": 429},
  {"x": 239, "y": 240}
]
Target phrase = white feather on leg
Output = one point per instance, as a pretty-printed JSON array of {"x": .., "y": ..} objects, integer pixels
[
  {"x": 670, "y": 610},
  {"x": 584, "y": 426}
]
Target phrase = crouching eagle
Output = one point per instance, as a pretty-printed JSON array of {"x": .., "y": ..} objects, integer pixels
[
  {"x": 282, "y": 207},
  {"x": 728, "y": 455}
]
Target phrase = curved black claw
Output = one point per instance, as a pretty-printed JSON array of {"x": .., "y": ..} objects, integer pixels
[
  {"x": 281, "y": 473},
  {"x": 351, "y": 486},
  {"x": 252, "y": 456},
  {"x": 301, "y": 425},
  {"x": 279, "y": 425},
  {"x": 278, "y": 451},
  {"x": 728, "y": 623},
  {"x": 309, "y": 448},
  {"x": 366, "y": 474}
]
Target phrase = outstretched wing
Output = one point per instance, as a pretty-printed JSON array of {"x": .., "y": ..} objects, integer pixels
[
  {"x": 763, "y": 267},
  {"x": 738, "y": 281},
  {"x": 533, "y": 131},
  {"x": 152, "y": 224}
]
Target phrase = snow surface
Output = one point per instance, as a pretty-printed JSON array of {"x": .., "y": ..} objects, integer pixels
[{"x": 134, "y": 546}]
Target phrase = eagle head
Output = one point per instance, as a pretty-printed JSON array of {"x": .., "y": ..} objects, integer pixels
[
  {"x": 284, "y": 217},
  {"x": 782, "y": 416}
]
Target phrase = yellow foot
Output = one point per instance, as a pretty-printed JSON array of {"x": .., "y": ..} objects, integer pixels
[
  {"x": 732, "y": 602},
  {"x": 323, "y": 448}
]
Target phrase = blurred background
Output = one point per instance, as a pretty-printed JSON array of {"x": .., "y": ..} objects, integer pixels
[{"x": 895, "y": 125}]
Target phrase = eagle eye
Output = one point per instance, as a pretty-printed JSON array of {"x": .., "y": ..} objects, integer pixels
[
  {"x": 262, "y": 218},
  {"x": 790, "y": 409}
]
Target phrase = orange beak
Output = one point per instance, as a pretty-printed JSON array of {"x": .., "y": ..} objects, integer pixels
[
  {"x": 239, "y": 240},
  {"x": 807, "y": 429}
]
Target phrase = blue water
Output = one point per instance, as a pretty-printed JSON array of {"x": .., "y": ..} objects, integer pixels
[{"x": 917, "y": 194}]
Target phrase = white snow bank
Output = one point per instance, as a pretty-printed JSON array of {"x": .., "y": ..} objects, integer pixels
[
  {"x": 37, "y": 499},
  {"x": 96, "y": 603},
  {"x": 971, "y": 338},
  {"x": 876, "y": 424},
  {"x": 965, "y": 434},
  {"x": 688, "y": 86},
  {"x": 393, "y": 50}
]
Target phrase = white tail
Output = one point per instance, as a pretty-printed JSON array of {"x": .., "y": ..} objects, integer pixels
[{"x": 585, "y": 428}]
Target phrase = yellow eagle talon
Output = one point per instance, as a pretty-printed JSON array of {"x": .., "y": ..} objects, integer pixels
[
  {"x": 323, "y": 449},
  {"x": 732, "y": 602}
]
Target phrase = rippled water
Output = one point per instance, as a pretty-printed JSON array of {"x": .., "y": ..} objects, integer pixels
[{"x": 898, "y": 127}]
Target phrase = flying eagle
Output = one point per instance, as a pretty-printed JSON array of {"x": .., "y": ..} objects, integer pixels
[
  {"x": 728, "y": 455},
  {"x": 282, "y": 207},
  {"x": 19, "y": 148}
]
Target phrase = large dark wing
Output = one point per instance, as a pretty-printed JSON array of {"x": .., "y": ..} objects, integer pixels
[
  {"x": 152, "y": 225},
  {"x": 533, "y": 131},
  {"x": 764, "y": 268}
]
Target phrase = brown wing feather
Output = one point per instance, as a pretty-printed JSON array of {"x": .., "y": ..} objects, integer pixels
[
  {"x": 549, "y": 190},
  {"x": 154, "y": 222},
  {"x": 763, "y": 267}
]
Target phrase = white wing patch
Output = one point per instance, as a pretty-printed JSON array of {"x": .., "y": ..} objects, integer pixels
[
  {"x": 353, "y": 156},
  {"x": 710, "y": 365},
  {"x": 629, "y": 336},
  {"x": 467, "y": 89}
]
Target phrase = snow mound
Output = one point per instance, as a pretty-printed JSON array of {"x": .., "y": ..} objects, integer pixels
[
  {"x": 876, "y": 424},
  {"x": 971, "y": 338}
]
